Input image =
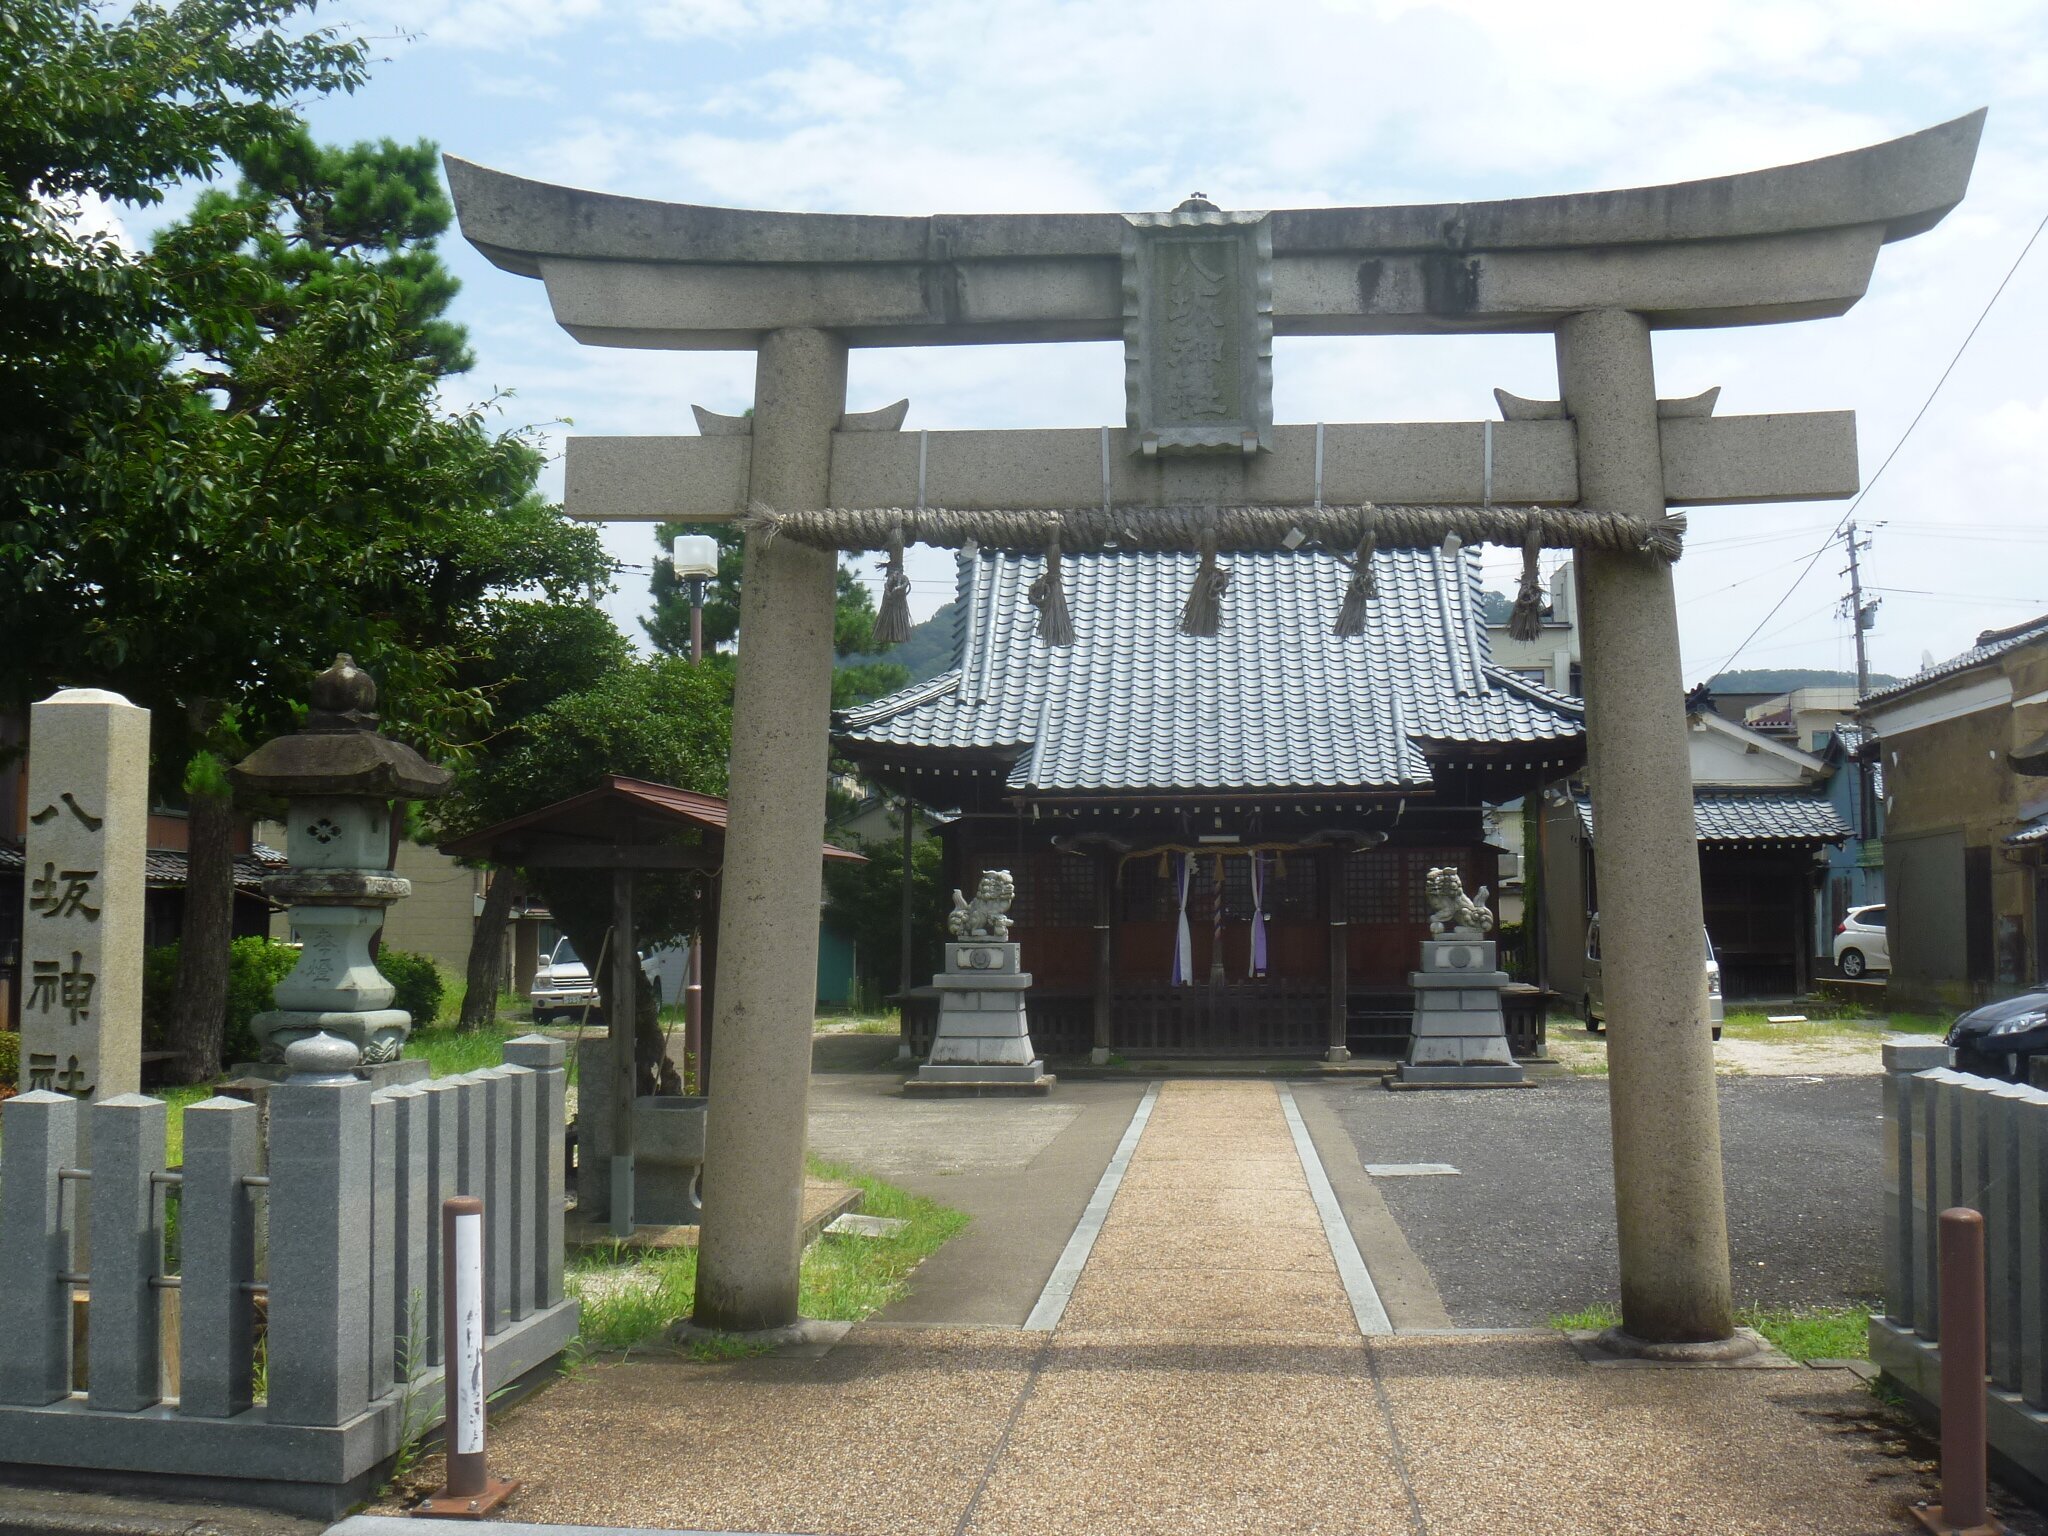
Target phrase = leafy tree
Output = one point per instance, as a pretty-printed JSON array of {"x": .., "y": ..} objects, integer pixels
[
  {"x": 526, "y": 654},
  {"x": 866, "y": 902},
  {"x": 662, "y": 719},
  {"x": 280, "y": 483},
  {"x": 853, "y": 626},
  {"x": 108, "y": 104}
]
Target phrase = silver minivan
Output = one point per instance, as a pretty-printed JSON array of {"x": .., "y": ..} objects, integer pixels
[{"x": 1596, "y": 1005}]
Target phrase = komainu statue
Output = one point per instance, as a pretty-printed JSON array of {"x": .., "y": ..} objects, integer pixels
[
  {"x": 984, "y": 917},
  {"x": 1450, "y": 907}
]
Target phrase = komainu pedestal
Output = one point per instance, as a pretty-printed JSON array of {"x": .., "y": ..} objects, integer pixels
[
  {"x": 983, "y": 1044},
  {"x": 1459, "y": 1038}
]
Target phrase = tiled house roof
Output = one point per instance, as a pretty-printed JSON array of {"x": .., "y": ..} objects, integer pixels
[
  {"x": 164, "y": 870},
  {"x": 1991, "y": 644},
  {"x": 1755, "y": 816},
  {"x": 1272, "y": 701}
]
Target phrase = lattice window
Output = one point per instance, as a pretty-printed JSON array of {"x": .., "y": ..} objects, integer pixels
[
  {"x": 1375, "y": 886},
  {"x": 1294, "y": 882},
  {"x": 1061, "y": 891},
  {"x": 1145, "y": 894},
  {"x": 1391, "y": 885}
]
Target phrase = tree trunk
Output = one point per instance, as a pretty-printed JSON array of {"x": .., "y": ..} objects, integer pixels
[
  {"x": 199, "y": 1004},
  {"x": 487, "y": 951}
]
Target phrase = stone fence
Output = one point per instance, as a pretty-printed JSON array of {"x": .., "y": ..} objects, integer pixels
[
  {"x": 1956, "y": 1140},
  {"x": 304, "y": 1344}
]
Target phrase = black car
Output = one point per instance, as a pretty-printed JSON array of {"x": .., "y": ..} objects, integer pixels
[{"x": 2000, "y": 1039}]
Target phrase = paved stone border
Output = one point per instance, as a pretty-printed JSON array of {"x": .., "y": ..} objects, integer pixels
[
  {"x": 1059, "y": 1285},
  {"x": 1364, "y": 1296}
]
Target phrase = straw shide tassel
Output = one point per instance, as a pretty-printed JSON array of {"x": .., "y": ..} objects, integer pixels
[
  {"x": 1362, "y": 590},
  {"x": 1526, "y": 621},
  {"x": 1048, "y": 595},
  {"x": 1203, "y": 613},
  {"x": 892, "y": 624}
]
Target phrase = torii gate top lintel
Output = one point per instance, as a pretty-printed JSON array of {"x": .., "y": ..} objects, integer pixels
[{"x": 1792, "y": 242}]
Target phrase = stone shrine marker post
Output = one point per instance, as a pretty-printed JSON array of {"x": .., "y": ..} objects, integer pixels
[
  {"x": 1196, "y": 296},
  {"x": 88, "y": 830}
]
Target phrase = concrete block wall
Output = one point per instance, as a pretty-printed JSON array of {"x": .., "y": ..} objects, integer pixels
[
  {"x": 1956, "y": 1140},
  {"x": 331, "y": 1228}
]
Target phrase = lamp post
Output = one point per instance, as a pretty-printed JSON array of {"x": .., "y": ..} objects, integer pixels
[{"x": 694, "y": 558}]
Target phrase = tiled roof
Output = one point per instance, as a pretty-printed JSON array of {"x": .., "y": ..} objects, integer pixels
[
  {"x": 1272, "y": 701},
  {"x": 1761, "y": 816},
  {"x": 1990, "y": 644},
  {"x": 2032, "y": 835},
  {"x": 164, "y": 869}
]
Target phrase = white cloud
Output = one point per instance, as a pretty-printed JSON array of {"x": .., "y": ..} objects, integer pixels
[{"x": 971, "y": 105}]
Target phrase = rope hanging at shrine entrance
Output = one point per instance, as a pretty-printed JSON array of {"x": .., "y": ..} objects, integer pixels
[{"x": 1210, "y": 532}]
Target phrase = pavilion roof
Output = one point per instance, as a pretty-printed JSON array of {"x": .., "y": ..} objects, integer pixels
[
  {"x": 618, "y": 807},
  {"x": 1273, "y": 701}
]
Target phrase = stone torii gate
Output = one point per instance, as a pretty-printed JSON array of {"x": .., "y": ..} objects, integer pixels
[{"x": 1197, "y": 296}]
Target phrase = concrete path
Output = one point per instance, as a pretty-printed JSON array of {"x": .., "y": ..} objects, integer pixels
[{"x": 1209, "y": 1374}]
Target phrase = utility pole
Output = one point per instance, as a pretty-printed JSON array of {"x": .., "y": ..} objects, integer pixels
[{"x": 1860, "y": 614}]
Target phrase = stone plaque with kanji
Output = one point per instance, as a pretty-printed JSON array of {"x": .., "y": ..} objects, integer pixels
[
  {"x": 1198, "y": 331},
  {"x": 81, "y": 926}
]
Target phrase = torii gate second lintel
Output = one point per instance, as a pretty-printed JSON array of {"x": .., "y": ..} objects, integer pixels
[{"x": 1600, "y": 271}]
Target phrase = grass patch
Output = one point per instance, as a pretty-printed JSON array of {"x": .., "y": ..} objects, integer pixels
[
  {"x": 849, "y": 1278},
  {"x": 1813, "y": 1333},
  {"x": 1812, "y": 1030},
  {"x": 887, "y": 1023},
  {"x": 630, "y": 1296},
  {"x": 448, "y": 1051},
  {"x": 1602, "y": 1314},
  {"x": 1918, "y": 1024},
  {"x": 1799, "y": 1333}
]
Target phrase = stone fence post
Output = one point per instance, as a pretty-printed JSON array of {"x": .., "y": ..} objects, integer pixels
[
  {"x": 35, "y": 1247},
  {"x": 319, "y": 1236}
]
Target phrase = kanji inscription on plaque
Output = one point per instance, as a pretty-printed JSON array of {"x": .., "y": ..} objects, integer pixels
[{"x": 1198, "y": 330}]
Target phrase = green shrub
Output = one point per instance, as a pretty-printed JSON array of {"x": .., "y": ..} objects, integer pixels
[
  {"x": 255, "y": 967},
  {"x": 419, "y": 984},
  {"x": 159, "y": 985},
  {"x": 10, "y": 1059}
]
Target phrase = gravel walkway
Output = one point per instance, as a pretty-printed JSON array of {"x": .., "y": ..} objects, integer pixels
[{"x": 1208, "y": 1376}]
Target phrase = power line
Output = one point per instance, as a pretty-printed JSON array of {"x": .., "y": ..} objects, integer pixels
[{"x": 1871, "y": 484}]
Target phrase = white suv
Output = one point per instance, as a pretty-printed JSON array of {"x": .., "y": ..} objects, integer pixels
[
  {"x": 1860, "y": 942},
  {"x": 1596, "y": 1003}
]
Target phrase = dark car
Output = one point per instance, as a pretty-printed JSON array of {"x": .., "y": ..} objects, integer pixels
[{"x": 2000, "y": 1039}]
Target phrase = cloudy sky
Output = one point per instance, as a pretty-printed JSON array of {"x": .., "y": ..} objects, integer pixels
[{"x": 958, "y": 106}]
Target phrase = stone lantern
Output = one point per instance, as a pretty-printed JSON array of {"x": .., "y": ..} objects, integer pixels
[{"x": 338, "y": 777}]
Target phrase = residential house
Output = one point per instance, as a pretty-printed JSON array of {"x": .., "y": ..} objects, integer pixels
[
  {"x": 1963, "y": 759},
  {"x": 1764, "y": 819}
]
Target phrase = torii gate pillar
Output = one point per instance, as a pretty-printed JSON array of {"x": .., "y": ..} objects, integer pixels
[
  {"x": 1670, "y": 1211},
  {"x": 751, "y": 1244}
]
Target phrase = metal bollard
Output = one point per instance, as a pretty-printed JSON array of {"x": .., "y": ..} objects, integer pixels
[
  {"x": 470, "y": 1491},
  {"x": 1962, "y": 1510}
]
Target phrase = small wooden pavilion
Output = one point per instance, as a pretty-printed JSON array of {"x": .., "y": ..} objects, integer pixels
[
  {"x": 627, "y": 826},
  {"x": 1219, "y": 842}
]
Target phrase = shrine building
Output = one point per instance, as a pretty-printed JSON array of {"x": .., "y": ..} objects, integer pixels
[{"x": 1219, "y": 842}]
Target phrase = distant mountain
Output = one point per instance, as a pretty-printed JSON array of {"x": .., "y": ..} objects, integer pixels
[
  {"x": 927, "y": 651},
  {"x": 1785, "y": 679}
]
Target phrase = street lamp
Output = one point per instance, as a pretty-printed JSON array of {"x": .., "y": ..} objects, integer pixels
[{"x": 694, "y": 559}]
